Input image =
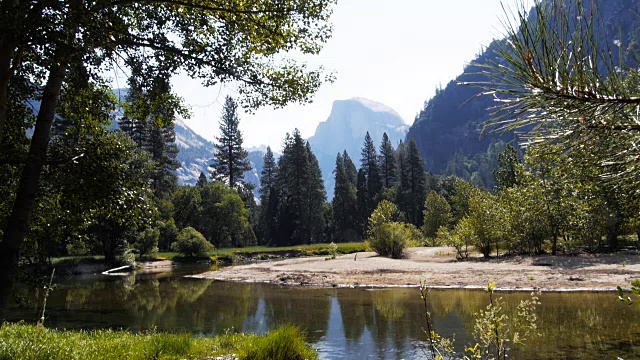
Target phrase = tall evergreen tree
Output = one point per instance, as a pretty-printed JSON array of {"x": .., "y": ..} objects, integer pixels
[
  {"x": 350, "y": 169},
  {"x": 387, "y": 162},
  {"x": 373, "y": 184},
  {"x": 301, "y": 193},
  {"x": 202, "y": 180},
  {"x": 344, "y": 204},
  {"x": 268, "y": 197},
  {"x": 149, "y": 115},
  {"x": 316, "y": 198},
  {"x": 412, "y": 191},
  {"x": 163, "y": 150},
  {"x": 361, "y": 200},
  {"x": 230, "y": 159}
]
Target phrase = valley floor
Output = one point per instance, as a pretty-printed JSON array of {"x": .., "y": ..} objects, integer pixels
[{"x": 439, "y": 268}]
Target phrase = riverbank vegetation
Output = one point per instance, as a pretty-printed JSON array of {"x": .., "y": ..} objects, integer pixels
[{"x": 23, "y": 341}]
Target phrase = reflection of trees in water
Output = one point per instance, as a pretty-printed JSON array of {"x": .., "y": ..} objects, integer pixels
[
  {"x": 145, "y": 304},
  {"x": 353, "y": 307},
  {"x": 308, "y": 308},
  {"x": 227, "y": 305},
  {"x": 584, "y": 325},
  {"x": 391, "y": 315},
  {"x": 581, "y": 324}
]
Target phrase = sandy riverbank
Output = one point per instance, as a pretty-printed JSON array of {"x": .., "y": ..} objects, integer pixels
[{"x": 438, "y": 267}]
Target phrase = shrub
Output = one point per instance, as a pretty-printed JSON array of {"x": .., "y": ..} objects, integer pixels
[
  {"x": 147, "y": 242},
  {"x": 333, "y": 250},
  {"x": 391, "y": 239},
  {"x": 387, "y": 237},
  {"x": 384, "y": 213},
  {"x": 191, "y": 243}
]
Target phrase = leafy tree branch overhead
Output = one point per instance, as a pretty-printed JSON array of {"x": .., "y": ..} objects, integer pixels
[{"x": 42, "y": 42}]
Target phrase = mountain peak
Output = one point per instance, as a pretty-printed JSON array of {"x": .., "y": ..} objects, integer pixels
[
  {"x": 346, "y": 127},
  {"x": 373, "y": 105}
]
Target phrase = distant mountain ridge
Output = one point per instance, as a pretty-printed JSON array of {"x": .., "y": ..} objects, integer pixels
[{"x": 345, "y": 129}]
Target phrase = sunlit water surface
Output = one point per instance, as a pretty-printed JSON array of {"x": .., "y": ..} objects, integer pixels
[{"x": 340, "y": 323}]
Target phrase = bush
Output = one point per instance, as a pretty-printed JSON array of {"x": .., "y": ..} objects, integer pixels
[
  {"x": 387, "y": 237},
  {"x": 385, "y": 212},
  {"x": 285, "y": 343},
  {"x": 191, "y": 243},
  {"x": 147, "y": 242},
  {"x": 391, "y": 239}
]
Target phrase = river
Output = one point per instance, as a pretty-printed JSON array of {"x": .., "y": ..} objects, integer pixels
[{"x": 339, "y": 323}]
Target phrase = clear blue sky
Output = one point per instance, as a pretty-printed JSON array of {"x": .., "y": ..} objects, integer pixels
[{"x": 396, "y": 52}]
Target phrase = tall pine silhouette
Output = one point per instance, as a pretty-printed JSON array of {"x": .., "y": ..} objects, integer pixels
[
  {"x": 230, "y": 159},
  {"x": 369, "y": 191},
  {"x": 344, "y": 204},
  {"x": 412, "y": 191},
  {"x": 268, "y": 198},
  {"x": 387, "y": 162},
  {"x": 301, "y": 194}
]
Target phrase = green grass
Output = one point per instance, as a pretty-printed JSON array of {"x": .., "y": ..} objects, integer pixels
[
  {"x": 307, "y": 250},
  {"x": 228, "y": 254},
  {"x": 22, "y": 341}
]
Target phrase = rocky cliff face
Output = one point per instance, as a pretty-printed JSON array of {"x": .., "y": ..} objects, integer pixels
[{"x": 345, "y": 129}]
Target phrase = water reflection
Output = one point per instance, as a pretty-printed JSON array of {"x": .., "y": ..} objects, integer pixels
[{"x": 341, "y": 323}]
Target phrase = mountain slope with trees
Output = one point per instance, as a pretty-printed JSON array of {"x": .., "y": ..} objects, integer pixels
[{"x": 449, "y": 130}]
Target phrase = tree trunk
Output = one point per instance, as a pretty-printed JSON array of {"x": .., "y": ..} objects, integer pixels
[
  {"x": 612, "y": 239},
  {"x": 18, "y": 221}
]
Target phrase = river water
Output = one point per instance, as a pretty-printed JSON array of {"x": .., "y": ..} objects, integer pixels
[{"x": 339, "y": 323}]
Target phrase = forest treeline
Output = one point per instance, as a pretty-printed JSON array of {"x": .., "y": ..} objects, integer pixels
[{"x": 121, "y": 197}]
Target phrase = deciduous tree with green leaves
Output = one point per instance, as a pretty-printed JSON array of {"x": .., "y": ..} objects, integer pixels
[{"x": 236, "y": 41}]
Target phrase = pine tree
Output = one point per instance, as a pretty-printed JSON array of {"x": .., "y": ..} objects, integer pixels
[
  {"x": 387, "y": 162},
  {"x": 202, "y": 180},
  {"x": 268, "y": 197},
  {"x": 230, "y": 159},
  {"x": 350, "y": 169},
  {"x": 161, "y": 145},
  {"x": 361, "y": 200},
  {"x": 301, "y": 194},
  {"x": 344, "y": 204},
  {"x": 135, "y": 120},
  {"x": 316, "y": 198},
  {"x": 149, "y": 115},
  {"x": 412, "y": 190},
  {"x": 373, "y": 184}
]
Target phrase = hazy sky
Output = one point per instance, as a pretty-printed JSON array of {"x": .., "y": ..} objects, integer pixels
[{"x": 396, "y": 52}]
